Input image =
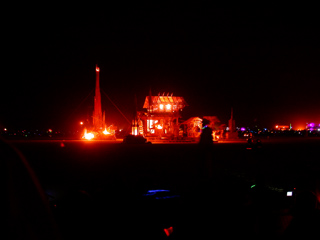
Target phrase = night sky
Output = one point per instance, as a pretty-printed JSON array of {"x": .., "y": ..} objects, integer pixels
[{"x": 262, "y": 62}]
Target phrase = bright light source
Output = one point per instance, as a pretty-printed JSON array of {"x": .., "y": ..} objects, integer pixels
[
  {"x": 311, "y": 125},
  {"x": 135, "y": 131},
  {"x": 105, "y": 132},
  {"x": 168, "y": 106},
  {"x": 81, "y": 123},
  {"x": 151, "y": 122},
  {"x": 161, "y": 106},
  {"x": 289, "y": 194},
  {"x": 88, "y": 136}
]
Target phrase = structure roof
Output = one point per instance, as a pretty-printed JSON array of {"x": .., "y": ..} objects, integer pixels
[
  {"x": 164, "y": 100},
  {"x": 192, "y": 119}
]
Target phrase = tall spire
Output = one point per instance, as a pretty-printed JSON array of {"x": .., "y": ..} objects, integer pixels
[
  {"x": 232, "y": 124},
  {"x": 97, "y": 112}
]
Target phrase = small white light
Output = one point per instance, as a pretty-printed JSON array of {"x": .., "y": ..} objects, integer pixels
[{"x": 289, "y": 194}]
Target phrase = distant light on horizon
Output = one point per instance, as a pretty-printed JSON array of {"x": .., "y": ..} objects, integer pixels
[{"x": 311, "y": 125}]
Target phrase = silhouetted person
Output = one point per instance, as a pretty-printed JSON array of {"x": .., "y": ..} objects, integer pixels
[
  {"x": 206, "y": 144},
  {"x": 206, "y": 137}
]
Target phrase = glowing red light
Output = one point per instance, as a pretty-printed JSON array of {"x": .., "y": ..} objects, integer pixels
[
  {"x": 168, "y": 231},
  {"x": 97, "y": 69}
]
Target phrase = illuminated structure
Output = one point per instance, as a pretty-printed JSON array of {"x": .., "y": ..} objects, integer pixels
[
  {"x": 231, "y": 134},
  {"x": 99, "y": 128},
  {"x": 161, "y": 119},
  {"x": 232, "y": 123},
  {"x": 192, "y": 128},
  {"x": 282, "y": 127},
  {"x": 97, "y": 118}
]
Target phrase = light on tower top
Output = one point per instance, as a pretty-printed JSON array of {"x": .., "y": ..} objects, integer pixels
[{"x": 97, "y": 68}]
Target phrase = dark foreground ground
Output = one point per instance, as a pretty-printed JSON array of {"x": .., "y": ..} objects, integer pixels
[{"x": 99, "y": 189}]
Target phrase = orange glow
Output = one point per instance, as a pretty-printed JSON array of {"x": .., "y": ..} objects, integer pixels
[
  {"x": 135, "y": 131},
  {"x": 300, "y": 127},
  {"x": 161, "y": 106},
  {"x": 105, "y": 132},
  {"x": 81, "y": 123},
  {"x": 168, "y": 106},
  {"x": 158, "y": 126},
  {"x": 87, "y": 136}
]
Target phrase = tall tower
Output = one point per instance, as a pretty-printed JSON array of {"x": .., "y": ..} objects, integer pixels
[
  {"x": 232, "y": 123},
  {"x": 98, "y": 120}
]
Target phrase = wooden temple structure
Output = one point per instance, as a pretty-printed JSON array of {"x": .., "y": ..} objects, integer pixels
[{"x": 161, "y": 118}]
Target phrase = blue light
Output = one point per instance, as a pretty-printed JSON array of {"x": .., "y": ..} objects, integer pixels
[
  {"x": 155, "y": 191},
  {"x": 158, "y": 190},
  {"x": 156, "y": 196}
]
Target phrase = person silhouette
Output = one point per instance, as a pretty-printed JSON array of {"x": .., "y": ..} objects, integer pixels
[{"x": 206, "y": 137}]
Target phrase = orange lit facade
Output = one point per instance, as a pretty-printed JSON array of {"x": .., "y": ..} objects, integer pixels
[
  {"x": 282, "y": 127},
  {"x": 192, "y": 128},
  {"x": 161, "y": 118}
]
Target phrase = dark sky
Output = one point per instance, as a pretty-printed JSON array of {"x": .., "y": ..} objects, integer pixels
[{"x": 263, "y": 62}]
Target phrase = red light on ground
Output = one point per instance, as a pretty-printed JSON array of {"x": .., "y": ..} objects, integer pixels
[
  {"x": 168, "y": 231},
  {"x": 62, "y": 144}
]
